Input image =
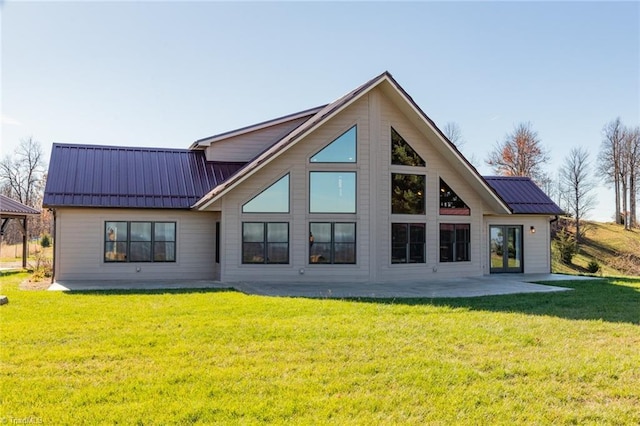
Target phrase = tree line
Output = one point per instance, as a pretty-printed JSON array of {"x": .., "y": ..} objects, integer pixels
[{"x": 521, "y": 153}]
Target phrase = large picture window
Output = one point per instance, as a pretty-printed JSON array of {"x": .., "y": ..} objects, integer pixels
[
  {"x": 265, "y": 242},
  {"x": 407, "y": 193},
  {"x": 332, "y": 242},
  {"x": 140, "y": 241},
  {"x": 332, "y": 192},
  {"x": 408, "y": 242},
  {"x": 454, "y": 242}
]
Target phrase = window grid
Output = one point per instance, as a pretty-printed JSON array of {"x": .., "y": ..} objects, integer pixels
[
  {"x": 137, "y": 241},
  {"x": 408, "y": 243},
  {"x": 455, "y": 241},
  {"x": 332, "y": 243},
  {"x": 265, "y": 242}
]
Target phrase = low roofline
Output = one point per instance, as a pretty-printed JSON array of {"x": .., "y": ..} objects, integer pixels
[{"x": 204, "y": 142}]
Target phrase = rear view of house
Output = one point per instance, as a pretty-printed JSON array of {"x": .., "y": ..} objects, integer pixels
[{"x": 366, "y": 188}]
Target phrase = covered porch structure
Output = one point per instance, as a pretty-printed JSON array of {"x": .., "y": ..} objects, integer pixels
[{"x": 12, "y": 209}]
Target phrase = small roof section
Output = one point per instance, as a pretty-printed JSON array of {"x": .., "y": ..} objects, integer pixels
[
  {"x": 523, "y": 196},
  {"x": 112, "y": 176},
  {"x": 12, "y": 208}
]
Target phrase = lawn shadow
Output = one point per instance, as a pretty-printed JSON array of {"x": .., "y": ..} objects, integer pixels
[
  {"x": 148, "y": 292},
  {"x": 589, "y": 300}
]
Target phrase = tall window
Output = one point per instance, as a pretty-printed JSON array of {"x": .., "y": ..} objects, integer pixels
[
  {"x": 265, "y": 242},
  {"x": 455, "y": 240},
  {"x": 140, "y": 241},
  {"x": 332, "y": 192},
  {"x": 274, "y": 199},
  {"x": 341, "y": 150},
  {"x": 332, "y": 242},
  {"x": 450, "y": 203},
  {"x": 408, "y": 242},
  {"x": 407, "y": 193},
  {"x": 402, "y": 153}
]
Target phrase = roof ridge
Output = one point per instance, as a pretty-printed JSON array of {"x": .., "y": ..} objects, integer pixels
[{"x": 120, "y": 147}]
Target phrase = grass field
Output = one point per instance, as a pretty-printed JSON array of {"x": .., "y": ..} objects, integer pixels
[{"x": 189, "y": 357}]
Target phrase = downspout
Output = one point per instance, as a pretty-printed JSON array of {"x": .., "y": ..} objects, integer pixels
[
  {"x": 555, "y": 219},
  {"x": 55, "y": 243}
]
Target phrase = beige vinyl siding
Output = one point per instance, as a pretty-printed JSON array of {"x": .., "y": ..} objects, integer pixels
[
  {"x": 536, "y": 247},
  {"x": 295, "y": 161},
  {"x": 246, "y": 146},
  {"x": 436, "y": 167},
  {"x": 80, "y": 245},
  {"x": 374, "y": 114}
]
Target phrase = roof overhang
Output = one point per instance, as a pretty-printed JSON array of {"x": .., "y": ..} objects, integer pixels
[{"x": 405, "y": 103}]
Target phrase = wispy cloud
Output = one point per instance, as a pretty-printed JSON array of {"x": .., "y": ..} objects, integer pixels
[
  {"x": 494, "y": 118},
  {"x": 10, "y": 121}
]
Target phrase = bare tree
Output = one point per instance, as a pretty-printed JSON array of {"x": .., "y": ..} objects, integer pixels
[
  {"x": 631, "y": 165},
  {"x": 520, "y": 154},
  {"x": 577, "y": 187},
  {"x": 22, "y": 175},
  {"x": 452, "y": 131},
  {"x": 610, "y": 165}
]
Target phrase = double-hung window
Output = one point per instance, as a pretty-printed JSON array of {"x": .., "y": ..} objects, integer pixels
[
  {"x": 265, "y": 242},
  {"x": 332, "y": 242},
  {"x": 408, "y": 242},
  {"x": 455, "y": 239}
]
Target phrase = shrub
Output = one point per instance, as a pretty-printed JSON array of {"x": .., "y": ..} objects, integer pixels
[
  {"x": 567, "y": 246},
  {"x": 593, "y": 267},
  {"x": 45, "y": 241}
]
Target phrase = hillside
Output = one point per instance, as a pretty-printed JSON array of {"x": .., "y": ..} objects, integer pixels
[{"x": 617, "y": 251}]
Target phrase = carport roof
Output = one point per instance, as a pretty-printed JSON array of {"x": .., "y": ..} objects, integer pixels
[{"x": 11, "y": 208}]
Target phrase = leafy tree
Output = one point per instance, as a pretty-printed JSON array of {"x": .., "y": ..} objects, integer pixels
[{"x": 520, "y": 154}]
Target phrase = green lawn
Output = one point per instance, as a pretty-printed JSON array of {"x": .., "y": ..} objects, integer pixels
[{"x": 206, "y": 357}]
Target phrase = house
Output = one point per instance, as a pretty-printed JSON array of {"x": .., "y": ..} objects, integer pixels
[{"x": 366, "y": 188}]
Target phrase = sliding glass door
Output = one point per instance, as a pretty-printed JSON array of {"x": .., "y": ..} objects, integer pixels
[{"x": 506, "y": 248}]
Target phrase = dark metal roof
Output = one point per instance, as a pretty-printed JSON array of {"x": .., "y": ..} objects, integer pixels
[
  {"x": 112, "y": 176},
  {"x": 522, "y": 195},
  {"x": 10, "y": 207}
]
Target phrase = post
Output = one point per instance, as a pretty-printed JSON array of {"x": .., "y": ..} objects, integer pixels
[{"x": 25, "y": 249}]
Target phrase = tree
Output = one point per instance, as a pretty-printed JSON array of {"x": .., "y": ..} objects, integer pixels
[
  {"x": 577, "y": 187},
  {"x": 23, "y": 175},
  {"x": 520, "y": 154},
  {"x": 631, "y": 156},
  {"x": 610, "y": 159},
  {"x": 452, "y": 131}
]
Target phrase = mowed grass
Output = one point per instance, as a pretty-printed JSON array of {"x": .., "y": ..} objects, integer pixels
[{"x": 207, "y": 357}]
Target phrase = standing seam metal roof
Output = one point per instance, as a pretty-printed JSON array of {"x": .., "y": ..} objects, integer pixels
[
  {"x": 11, "y": 207},
  {"x": 111, "y": 176},
  {"x": 522, "y": 195}
]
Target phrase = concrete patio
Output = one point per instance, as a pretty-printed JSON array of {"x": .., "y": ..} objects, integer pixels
[{"x": 459, "y": 287}]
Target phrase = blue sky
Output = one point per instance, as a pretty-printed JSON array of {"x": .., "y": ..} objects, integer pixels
[{"x": 167, "y": 73}]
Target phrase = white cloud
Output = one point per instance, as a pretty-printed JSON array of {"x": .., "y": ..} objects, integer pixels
[{"x": 10, "y": 121}]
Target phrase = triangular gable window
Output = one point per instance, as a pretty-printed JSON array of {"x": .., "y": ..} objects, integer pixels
[
  {"x": 450, "y": 203},
  {"x": 274, "y": 199},
  {"x": 401, "y": 152},
  {"x": 341, "y": 150}
]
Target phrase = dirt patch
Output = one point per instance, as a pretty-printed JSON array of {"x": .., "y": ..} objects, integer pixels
[{"x": 34, "y": 285}]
